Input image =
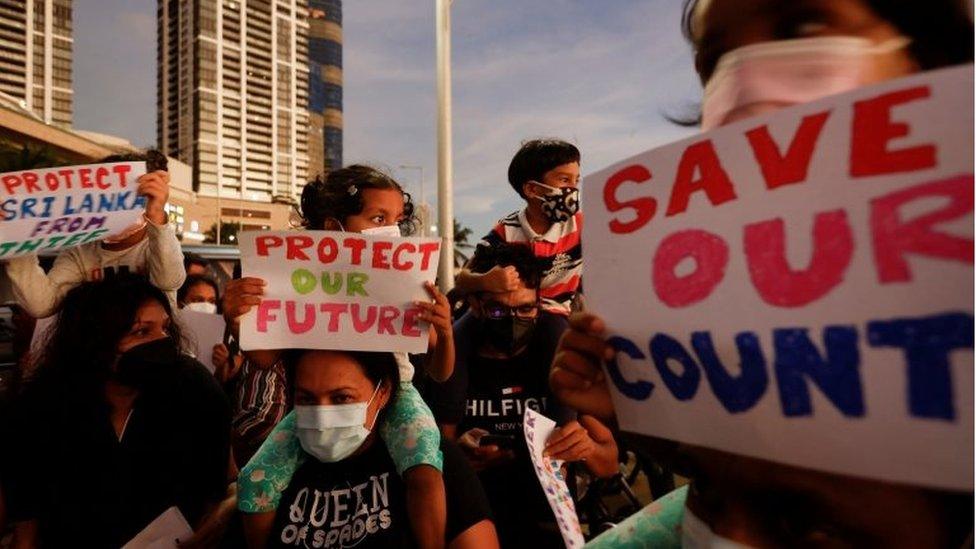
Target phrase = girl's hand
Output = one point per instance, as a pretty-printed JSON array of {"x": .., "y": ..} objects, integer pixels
[
  {"x": 576, "y": 377},
  {"x": 241, "y": 294},
  {"x": 585, "y": 440},
  {"x": 438, "y": 313}
]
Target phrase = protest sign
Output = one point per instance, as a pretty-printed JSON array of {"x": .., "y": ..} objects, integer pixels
[
  {"x": 537, "y": 429},
  {"x": 336, "y": 290},
  {"x": 59, "y": 208},
  {"x": 798, "y": 286},
  {"x": 205, "y": 331},
  {"x": 165, "y": 532}
]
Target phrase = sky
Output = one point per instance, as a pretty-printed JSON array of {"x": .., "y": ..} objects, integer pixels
[{"x": 601, "y": 74}]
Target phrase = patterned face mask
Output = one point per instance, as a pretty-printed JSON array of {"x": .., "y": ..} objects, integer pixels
[{"x": 560, "y": 203}]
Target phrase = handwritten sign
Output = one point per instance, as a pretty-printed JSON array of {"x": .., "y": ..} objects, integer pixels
[
  {"x": 59, "y": 208},
  {"x": 798, "y": 286},
  {"x": 538, "y": 428},
  {"x": 336, "y": 290},
  {"x": 162, "y": 533}
]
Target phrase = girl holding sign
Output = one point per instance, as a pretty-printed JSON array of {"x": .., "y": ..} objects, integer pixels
[
  {"x": 360, "y": 199},
  {"x": 753, "y": 57}
]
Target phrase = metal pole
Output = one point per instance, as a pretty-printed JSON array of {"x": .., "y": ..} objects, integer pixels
[{"x": 445, "y": 213}]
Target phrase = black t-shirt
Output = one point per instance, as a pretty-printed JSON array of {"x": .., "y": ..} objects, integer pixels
[
  {"x": 361, "y": 502},
  {"x": 87, "y": 488},
  {"x": 492, "y": 394}
]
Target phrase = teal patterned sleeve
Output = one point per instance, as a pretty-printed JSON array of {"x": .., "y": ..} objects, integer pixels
[
  {"x": 410, "y": 432},
  {"x": 264, "y": 478},
  {"x": 657, "y": 525}
]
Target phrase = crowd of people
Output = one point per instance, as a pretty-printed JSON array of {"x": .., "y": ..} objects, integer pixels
[{"x": 114, "y": 422}]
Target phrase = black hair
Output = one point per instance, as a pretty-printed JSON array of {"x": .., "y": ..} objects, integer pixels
[
  {"x": 154, "y": 159},
  {"x": 519, "y": 256},
  {"x": 190, "y": 258},
  {"x": 193, "y": 280},
  {"x": 536, "y": 157},
  {"x": 377, "y": 367},
  {"x": 340, "y": 195},
  {"x": 82, "y": 344}
]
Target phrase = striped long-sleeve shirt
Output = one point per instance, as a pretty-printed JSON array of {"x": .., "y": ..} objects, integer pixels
[
  {"x": 559, "y": 249},
  {"x": 262, "y": 401}
]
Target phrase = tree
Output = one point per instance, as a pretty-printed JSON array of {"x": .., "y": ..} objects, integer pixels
[
  {"x": 27, "y": 158},
  {"x": 228, "y": 233},
  {"x": 461, "y": 236}
]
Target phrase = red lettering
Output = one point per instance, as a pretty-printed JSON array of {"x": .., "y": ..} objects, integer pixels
[
  {"x": 711, "y": 255},
  {"x": 700, "y": 158},
  {"x": 785, "y": 169},
  {"x": 356, "y": 246},
  {"x": 66, "y": 176},
  {"x": 122, "y": 170},
  {"x": 11, "y": 182},
  {"x": 358, "y": 323},
  {"x": 893, "y": 237},
  {"x": 328, "y": 250},
  {"x": 296, "y": 246},
  {"x": 380, "y": 259},
  {"x": 100, "y": 174},
  {"x": 873, "y": 129},
  {"x": 335, "y": 311},
  {"x": 30, "y": 181},
  {"x": 388, "y": 313},
  {"x": 296, "y": 326},
  {"x": 428, "y": 249},
  {"x": 265, "y": 315},
  {"x": 264, "y": 243},
  {"x": 410, "y": 322},
  {"x": 644, "y": 208},
  {"x": 85, "y": 175},
  {"x": 51, "y": 180},
  {"x": 780, "y": 285},
  {"x": 403, "y": 265}
]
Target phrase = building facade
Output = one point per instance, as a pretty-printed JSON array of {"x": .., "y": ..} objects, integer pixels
[
  {"x": 35, "y": 57},
  {"x": 233, "y": 95},
  {"x": 325, "y": 86}
]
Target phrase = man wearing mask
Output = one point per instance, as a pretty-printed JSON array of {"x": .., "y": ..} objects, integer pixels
[
  {"x": 148, "y": 247},
  {"x": 503, "y": 373}
]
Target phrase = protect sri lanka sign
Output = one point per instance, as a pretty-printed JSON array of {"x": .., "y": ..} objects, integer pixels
[{"x": 798, "y": 286}]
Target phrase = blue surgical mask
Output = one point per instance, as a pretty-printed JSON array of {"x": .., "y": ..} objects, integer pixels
[{"x": 332, "y": 433}]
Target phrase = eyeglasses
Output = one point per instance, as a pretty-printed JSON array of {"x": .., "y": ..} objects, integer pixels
[{"x": 497, "y": 311}]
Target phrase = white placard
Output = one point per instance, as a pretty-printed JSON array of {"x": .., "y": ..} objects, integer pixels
[
  {"x": 60, "y": 208},
  {"x": 162, "y": 533},
  {"x": 337, "y": 290},
  {"x": 538, "y": 428},
  {"x": 798, "y": 286},
  {"x": 205, "y": 330}
]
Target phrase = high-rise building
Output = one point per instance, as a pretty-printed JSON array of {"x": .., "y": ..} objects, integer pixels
[
  {"x": 35, "y": 57},
  {"x": 325, "y": 85},
  {"x": 233, "y": 94}
]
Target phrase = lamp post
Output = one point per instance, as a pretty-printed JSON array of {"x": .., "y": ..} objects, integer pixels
[{"x": 445, "y": 206}]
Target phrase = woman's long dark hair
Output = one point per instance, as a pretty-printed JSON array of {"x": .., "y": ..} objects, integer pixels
[{"x": 82, "y": 345}]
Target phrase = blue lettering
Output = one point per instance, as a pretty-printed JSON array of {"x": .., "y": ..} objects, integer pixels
[
  {"x": 927, "y": 343},
  {"x": 87, "y": 204},
  {"x": 736, "y": 393},
  {"x": 638, "y": 390},
  {"x": 838, "y": 377},
  {"x": 665, "y": 348}
]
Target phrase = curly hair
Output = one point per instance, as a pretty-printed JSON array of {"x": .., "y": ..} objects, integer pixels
[
  {"x": 520, "y": 256},
  {"x": 340, "y": 195}
]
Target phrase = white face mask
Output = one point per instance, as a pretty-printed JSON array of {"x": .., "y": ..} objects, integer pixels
[
  {"x": 332, "y": 433},
  {"x": 386, "y": 230},
  {"x": 695, "y": 534},
  {"x": 770, "y": 75},
  {"x": 202, "y": 307},
  {"x": 127, "y": 232}
]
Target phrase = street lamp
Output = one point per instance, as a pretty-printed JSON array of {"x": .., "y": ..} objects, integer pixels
[{"x": 445, "y": 213}]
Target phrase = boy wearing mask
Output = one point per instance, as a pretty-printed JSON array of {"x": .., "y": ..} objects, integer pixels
[
  {"x": 149, "y": 246},
  {"x": 546, "y": 173}
]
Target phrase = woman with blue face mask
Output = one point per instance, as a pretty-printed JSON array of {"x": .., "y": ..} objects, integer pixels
[{"x": 347, "y": 491}]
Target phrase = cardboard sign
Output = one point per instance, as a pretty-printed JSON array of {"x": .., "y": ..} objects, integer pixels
[
  {"x": 538, "y": 428},
  {"x": 336, "y": 290},
  {"x": 205, "y": 331},
  {"x": 59, "y": 208},
  {"x": 165, "y": 532},
  {"x": 798, "y": 286}
]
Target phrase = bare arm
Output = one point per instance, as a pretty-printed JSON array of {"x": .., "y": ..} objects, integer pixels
[{"x": 257, "y": 528}]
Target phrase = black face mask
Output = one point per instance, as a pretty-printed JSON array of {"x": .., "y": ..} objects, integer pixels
[
  {"x": 145, "y": 365},
  {"x": 509, "y": 334}
]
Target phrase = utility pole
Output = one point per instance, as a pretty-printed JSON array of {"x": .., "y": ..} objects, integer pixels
[{"x": 445, "y": 206}]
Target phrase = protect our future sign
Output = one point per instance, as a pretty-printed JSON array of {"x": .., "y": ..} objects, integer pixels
[
  {"x": 337, "y": 290},
  {"x": 798, "y": 287},
  {"x": 60, "y": 208}
]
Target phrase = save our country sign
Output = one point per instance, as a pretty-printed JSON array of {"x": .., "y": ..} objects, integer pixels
[
  {"x": 337, "y": 290},
  {"x": 798, "y": 286}
]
